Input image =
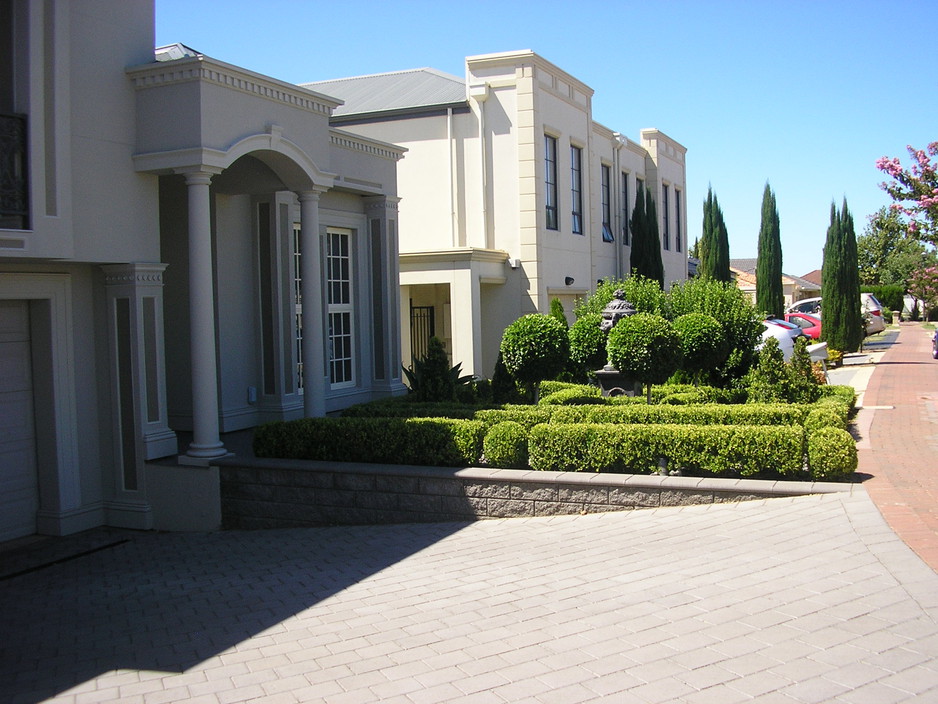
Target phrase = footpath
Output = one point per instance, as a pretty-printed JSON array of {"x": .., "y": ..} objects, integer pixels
[{"x": 898, "y": 447}]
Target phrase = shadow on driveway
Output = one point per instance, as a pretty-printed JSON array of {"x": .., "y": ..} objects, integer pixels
[{"x": 167, "y": 602}]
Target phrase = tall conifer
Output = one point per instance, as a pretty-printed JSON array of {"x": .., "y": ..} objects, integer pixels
[
  {"x": 840, "y": 284},
  {"x": 770, "y": 298},
  {"x": 637, "y": 254},
  {"x": 654, "y": 268},
  {"x": 714, "y": 242}
]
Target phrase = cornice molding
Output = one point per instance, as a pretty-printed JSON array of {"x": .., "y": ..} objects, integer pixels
[
  {"x": 134, "y": 273},
  {"x": 347, "y": 140},
  {"x": 208, "y": 70}
]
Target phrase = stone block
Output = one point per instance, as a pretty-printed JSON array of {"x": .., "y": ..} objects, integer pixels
[
  {"x": 534, "y": 492},
  {"x": 464, "y": 507},
  {"x": 584, "y": 494},
  {"x": 335, "y": 497},
  {"x": 419, "y": 503},
  {"x": 685, "y": 498},
  {"x": 557, "y": 508},
  {"x": 377, "y": 500},
  {"x": 488, "y": 490},
  {"x": 440, "y": 487},
  {"x": 396, "y": 485},
  {"x": 354, "y": 482},
  {"x": 624, "y": 496},
  {"x": 510, "y": 508}
]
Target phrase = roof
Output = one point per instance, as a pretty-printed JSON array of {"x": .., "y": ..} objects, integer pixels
[
  {"x": 747, "y": 269},
  {"x": 171, "y": 52},
  {"x": 814, "y": 277},
  {"x": 395, "y": 91}
]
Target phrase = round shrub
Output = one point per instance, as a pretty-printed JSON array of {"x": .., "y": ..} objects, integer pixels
[
  {"x": 645, "y": 347},
  {"x": 702, "y": 342},
  {"x": 823, "y": 418},
  {"x": 832, "y": 454},
  {"x": 535, "y": 347},
  {"x": 506, "y": 446},
  {"x": 587, "y": 342}
]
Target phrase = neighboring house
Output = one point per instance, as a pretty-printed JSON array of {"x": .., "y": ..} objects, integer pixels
[
  {"x": 167, "y": 229},
  {"x": 794, "y": 288},
  {"x": 815, "y": 277},
  {"x": 511, "y": 195}
]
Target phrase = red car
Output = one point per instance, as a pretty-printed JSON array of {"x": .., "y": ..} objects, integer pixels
[{"x": 810, "y": 324}]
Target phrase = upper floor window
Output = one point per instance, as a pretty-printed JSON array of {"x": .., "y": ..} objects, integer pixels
[
  {"x": 576, "y": 188},
  {"x": 677, "y": 220},
  {"x": 550, "y": 182},
  {"x": 606, "y": 204},
  {"x": 626, "y": 204},
  {"x": 665, "y": 216}
]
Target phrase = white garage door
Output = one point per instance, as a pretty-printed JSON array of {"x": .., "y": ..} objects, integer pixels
[{"x": 19, "y": 487}]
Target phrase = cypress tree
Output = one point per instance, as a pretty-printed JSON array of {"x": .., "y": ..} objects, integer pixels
[
  {"x": 714, "y": 242},
  {"x": 770, "y": 299},
  {"x": 637, "y": 254},
  {"x": 840, "y": 284},
  {"x": 645, "y": 259}
]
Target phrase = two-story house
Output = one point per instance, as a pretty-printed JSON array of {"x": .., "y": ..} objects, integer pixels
[
  {"x": 511, "y": 194},
  {"x": 187, "y": 248}
]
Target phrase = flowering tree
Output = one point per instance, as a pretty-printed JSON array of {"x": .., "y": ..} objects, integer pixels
[
  {"x": 923, "y": 284},
  {"x": 915, "y": 190}
]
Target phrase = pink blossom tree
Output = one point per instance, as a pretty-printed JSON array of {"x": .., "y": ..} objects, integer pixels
[
  {"x": 915, "y": 190},
  {"x": 923, "y": 284}
]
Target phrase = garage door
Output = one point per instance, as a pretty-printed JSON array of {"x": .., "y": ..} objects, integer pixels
[{"x": 19, "y": 489}]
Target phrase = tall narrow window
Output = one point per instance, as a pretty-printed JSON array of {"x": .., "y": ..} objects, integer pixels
[
  {"x": 298, "y": 305},
  {"x": 677, "y": 220},
  {"x": 339, "y": 307},
  {"x": 626, "y": 208},
  {"x": 576, "y": 188},
  {"x": 550, "y": 181},
  {"x": 607, "y": 204},
  {"x": 665, "y": 216}
]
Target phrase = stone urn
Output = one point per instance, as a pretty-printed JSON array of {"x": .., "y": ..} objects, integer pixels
[{"x": 611, "y": 380}]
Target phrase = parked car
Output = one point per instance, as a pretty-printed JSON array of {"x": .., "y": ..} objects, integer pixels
[
  {"x": 934, "y": 345},
  {"x": 794, "y": 331},
  {"x": 786, "y": 343},
  {"x": 870, "y": 307},
  {"x": 810, "y": 324}
]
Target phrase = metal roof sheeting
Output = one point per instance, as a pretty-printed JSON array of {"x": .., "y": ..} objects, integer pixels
[{"x": 399, "y": 90}]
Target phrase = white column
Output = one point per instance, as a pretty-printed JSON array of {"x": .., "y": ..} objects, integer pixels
[
  {"x": 314, "y": 361},
  {"x": 206, "y": 444}
]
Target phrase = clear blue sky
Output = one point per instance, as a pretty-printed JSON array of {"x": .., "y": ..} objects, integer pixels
[{"x": 804, "y": 94}]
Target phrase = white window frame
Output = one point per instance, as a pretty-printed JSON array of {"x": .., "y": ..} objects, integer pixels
[{"x": 340, "y": 306}]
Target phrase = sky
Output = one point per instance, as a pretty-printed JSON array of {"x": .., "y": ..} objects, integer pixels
[{"x": 802, "y": 95}]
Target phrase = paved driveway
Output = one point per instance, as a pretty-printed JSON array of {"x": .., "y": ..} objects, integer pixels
[{"x": 811, "y": 599}]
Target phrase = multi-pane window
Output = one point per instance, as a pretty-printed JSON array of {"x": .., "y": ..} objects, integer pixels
[
  {"x": 576, "y": 189},
  {"x": 298, "y": 304},
  {"x": 550, "y": 181},
  {"x": 626, "y": 213},
  {"x": 677, "y": 220},
  {"x": 606, "y": 203},
  {"x": 339, "y": 307},
  {"x": 665, "y": 216}
]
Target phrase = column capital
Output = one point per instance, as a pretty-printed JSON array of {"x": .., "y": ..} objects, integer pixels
[
  {"x": 312, "y": 194},
  {"x": 133, "y": 273},
  {"x": 381, "y": 203},
  {"x": 199, "y": 178}
]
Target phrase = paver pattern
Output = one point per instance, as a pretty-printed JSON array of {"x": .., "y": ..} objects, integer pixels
[
  {"x": 902, "y": 455},
  {"x": 808, "y": 599}
]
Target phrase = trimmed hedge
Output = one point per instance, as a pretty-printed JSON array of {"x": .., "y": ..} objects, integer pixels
[
  {"x": 710, "y": 414},
  {"x": 572, "y": 397},
  {"x": 506, "y": 446},
  {"x": 399, "y": 408},
  {"x": 440, "y": 442},
  {"x": 743, "y": 450},
  {"x": 832, "y": 454},
  {"x": 847, "y": 394}
]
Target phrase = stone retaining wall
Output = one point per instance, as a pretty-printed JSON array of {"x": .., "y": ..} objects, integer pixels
[{"x": 293, "y": 493}]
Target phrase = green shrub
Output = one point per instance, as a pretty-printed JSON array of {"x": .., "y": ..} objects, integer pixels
[
  {"x": 533, "y": 348},
  {"x": 573, "y": 397},
  {"x": 506, "y": 446},
  {"x": 847, "y": 394},
  {"x": 431, "y": 378},
  {"x": 836, "y": 405},
  {"x": 549, "y": 386},
  {"x": 703, "y": 343},
  {"x": 704, "y": 414},
  {"x": 527, "y": 416},
  {"x": 587, "y": 344},
  {"x": 557, "y": 312},
  {"x": 420, "y": 441},
  {"x": 404, "y": 407},
  {"x": 769, "y": 381},
  {"x": 823, "y": 418},
  {"x": 804, "y": 387},
  {"x": 644, "y": 294},
  {"x": 742, "y": 450},
  {"x": 832, "y": 454},
  {"x": 644, "y": 347}
]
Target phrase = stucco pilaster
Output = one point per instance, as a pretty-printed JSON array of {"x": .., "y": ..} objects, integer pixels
[{"x": 311, "y": 278}]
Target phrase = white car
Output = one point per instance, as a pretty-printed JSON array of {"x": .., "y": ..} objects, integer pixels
[
  {"x": 870, "y": 307},
  {"x": 786, "y": 343}
]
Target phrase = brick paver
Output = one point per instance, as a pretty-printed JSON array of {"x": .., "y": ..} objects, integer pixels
[
  {"x": 902, "y": 455},
  {"x": 810, "y": 599}
]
